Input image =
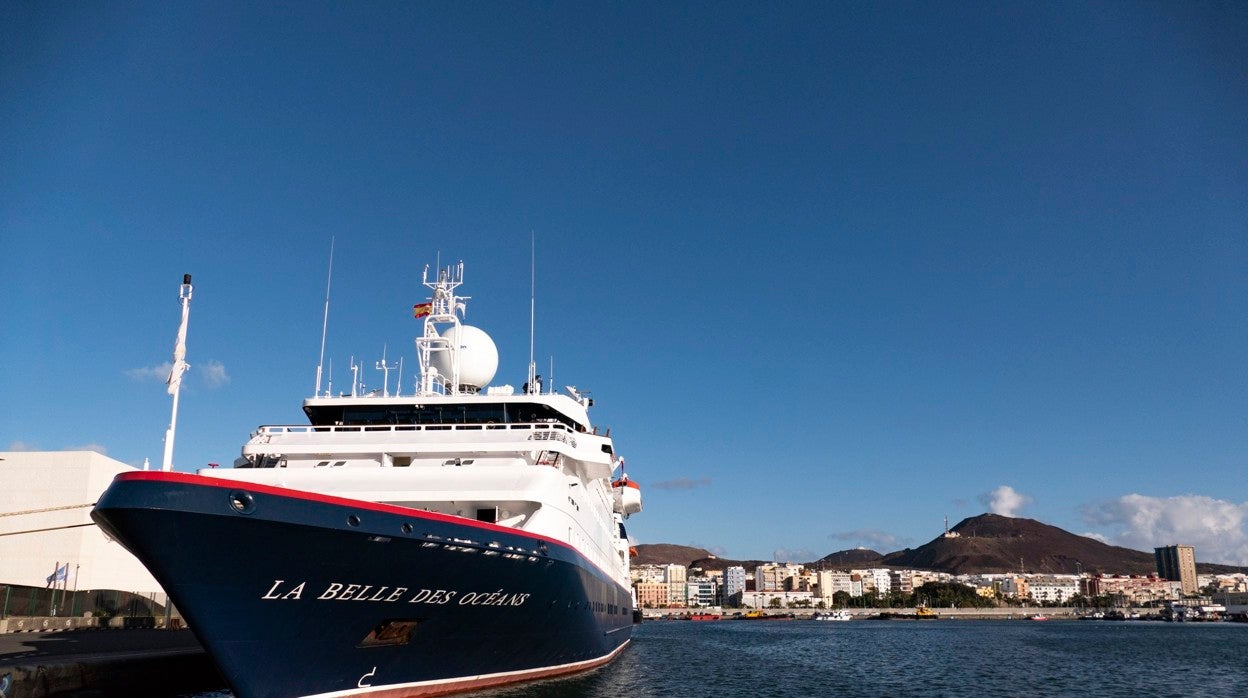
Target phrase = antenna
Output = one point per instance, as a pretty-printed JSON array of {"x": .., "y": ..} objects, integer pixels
[
  {"x": 325, "y": 320},
  {"x": 385, "y": 372},
  {"x": 532, "y": 305}
]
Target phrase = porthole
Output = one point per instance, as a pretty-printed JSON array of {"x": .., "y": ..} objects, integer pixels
[
  {"x": 353, "y": 520},
  {"x": 242, "y": 502},
  {"x": 406, "y": 529}
]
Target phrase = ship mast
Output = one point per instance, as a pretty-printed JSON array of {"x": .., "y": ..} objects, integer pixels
[
  {"x": 444, "y": 308},
  {"x": 179, "y": 367}
]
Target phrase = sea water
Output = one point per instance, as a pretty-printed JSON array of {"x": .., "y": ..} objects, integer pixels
[{"x": 913, "y": 658}]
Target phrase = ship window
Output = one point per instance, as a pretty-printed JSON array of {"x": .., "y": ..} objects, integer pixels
[
  {"x": 339, "y": 463},
  {"x": 322, "y": 464},
  {"x": 390, "y": 633},
  {"x": 548, "y": 458},
  {"x": 402, "y": 461},
  {"x": 488, "y": 515},
  {"x": 487, "y": 413}
]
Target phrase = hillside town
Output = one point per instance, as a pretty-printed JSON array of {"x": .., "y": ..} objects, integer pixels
[{"x": 795, "y": 586}]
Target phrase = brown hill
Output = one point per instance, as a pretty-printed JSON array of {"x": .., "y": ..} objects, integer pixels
[
  {"x": 847, "y": 559},
  {"x": 993, "y": 543},
  {"x": 667, "y": 554}
]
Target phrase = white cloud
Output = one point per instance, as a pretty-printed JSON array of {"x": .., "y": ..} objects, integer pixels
[
  {"x": 878, "y": 540},
  {"x": 1098, "y": 536},
  {"x": 1214, "y": 526},
  {"x": 159, "y": 372},
  {"x": 1005, "y": 501},
  {"x": 798, "y": 555},
  {"x": 214, "y": 373}
]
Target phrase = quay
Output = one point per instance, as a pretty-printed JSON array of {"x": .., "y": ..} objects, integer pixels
[
  {"x": 101, "y": 662},
  {"x": 1005, "y": 613}
]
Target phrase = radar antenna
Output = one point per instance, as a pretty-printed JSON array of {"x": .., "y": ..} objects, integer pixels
[
  {"x": 325, "y": 319},
  {"x": 385, "y": 373},
  {"x": 532, "y": 377}
]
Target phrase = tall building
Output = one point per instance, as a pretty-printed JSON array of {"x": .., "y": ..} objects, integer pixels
[
  {"x": 676, "y": 576},
  {"x": 1177, "y": 563},
  {"x": 734, "y": 585}
]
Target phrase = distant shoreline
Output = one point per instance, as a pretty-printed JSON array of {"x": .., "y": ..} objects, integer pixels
[{"x": 1011, "y": 613}]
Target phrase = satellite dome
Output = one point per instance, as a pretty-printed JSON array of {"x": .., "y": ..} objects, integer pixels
[{"x": 478, "y": 357}]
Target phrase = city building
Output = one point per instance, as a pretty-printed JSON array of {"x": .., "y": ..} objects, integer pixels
[
  {"x": 876, "y": 580},
  {"x": 702, "y": 591},
  {"x": 652, "y": 594},
  {"x": 828, "y": 583},
  {"x": 1177, "y": 563},
  {"x": 734, "y": 585},
  {"x": 676, "y": 577},
  {"x": 1130, "y": 589},
  {"x": 1053, "y": 588}
]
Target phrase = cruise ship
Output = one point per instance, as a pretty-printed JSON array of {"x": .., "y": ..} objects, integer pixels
[{"x": 463, "y": 536}]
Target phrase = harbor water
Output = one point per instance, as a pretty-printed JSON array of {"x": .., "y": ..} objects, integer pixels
[{"x": 913, "y": 658}]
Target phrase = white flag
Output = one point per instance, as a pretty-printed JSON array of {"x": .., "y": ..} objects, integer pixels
[{"x": 179, "y": 358}]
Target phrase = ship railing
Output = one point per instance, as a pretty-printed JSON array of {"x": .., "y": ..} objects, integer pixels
[{"x": 542, "y": 431}]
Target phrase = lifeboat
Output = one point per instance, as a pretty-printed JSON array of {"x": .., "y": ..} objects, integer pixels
[{"x": 627, "y": 495}]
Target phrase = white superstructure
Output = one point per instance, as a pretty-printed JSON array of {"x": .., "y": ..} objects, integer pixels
[{"x": 525, "y": 459}]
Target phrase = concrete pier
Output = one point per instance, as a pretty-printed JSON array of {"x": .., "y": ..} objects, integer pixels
[{"x": 102, "y": 663}]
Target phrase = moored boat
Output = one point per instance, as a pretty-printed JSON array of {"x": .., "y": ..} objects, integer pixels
[{"x": 459, "y": 537}]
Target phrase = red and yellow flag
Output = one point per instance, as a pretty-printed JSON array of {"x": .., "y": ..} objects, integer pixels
[{"x": 422, "y": 309}]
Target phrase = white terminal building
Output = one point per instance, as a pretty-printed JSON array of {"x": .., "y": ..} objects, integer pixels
[{"x": 45, "y": 522}]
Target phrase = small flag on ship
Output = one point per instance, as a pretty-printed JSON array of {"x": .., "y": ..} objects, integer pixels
[{"x": 422, "y": 309}]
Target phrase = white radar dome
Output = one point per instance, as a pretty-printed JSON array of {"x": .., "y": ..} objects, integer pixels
[{"x": 478, "y": 357}]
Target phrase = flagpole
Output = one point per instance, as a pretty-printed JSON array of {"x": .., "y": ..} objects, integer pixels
[
  {"x": 179, "y": 367},
  {"x": 52, "y": 583},
  {"x": 73, "y": 607}
]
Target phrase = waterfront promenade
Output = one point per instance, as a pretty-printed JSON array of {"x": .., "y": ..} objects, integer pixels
[{"x": 1005, "y": 613}]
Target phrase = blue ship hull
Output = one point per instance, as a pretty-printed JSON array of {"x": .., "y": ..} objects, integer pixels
[{"x": 298, "y": 594}]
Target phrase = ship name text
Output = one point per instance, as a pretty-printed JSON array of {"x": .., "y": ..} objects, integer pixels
[{"x": 281, "y": 590}]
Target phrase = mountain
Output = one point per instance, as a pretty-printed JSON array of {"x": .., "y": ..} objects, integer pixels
[
  {"x": 984, "y": 544},
  {"x": 994, "y": 543},
  {"x": 667, "y": 554},
  {"x": 858, "y": 557}
]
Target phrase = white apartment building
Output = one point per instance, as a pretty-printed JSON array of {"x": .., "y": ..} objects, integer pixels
[
  {"x": 876, "y": 580},
  {"x": 831, "y": 582},
  {"x": 1053, "y": 589},
  {"x": 734, "y": 584}
]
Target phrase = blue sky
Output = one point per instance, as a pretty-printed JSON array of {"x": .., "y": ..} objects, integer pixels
[{"x": 833, "y": 271}]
